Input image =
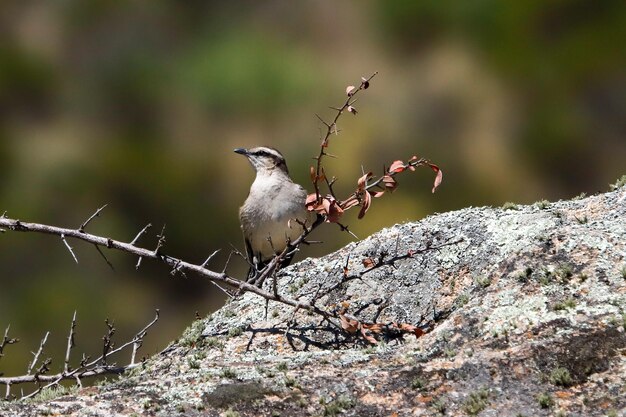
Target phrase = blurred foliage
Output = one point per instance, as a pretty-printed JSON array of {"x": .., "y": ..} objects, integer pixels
[{"x": 139, "y": 105}]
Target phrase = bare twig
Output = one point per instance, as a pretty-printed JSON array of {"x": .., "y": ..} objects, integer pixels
[
  {"x": 138, "y": 336},
  {"x": 161, "y": 241},
  {"x": 6, "y": 340},
  {"x": 107, "y": 341},
  {"x": 93, "y": 216},
  {"x": 70, "y": 343},
  {"x": 138, "y": 339},
  {"x": 36, "y": 355}
]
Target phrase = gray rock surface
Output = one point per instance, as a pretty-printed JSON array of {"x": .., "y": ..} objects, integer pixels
[{"x": 524, "y": 309}]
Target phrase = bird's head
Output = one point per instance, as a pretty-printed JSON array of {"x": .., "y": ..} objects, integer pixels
[{"x": 264, "y": 158}]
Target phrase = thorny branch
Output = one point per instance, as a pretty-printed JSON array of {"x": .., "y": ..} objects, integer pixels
[
  {"x": 85, "y": 369},
  {"x": 331, "y": 128},
  {"x": 329, "y": 205},
  {"x": 219, "y": 277}
]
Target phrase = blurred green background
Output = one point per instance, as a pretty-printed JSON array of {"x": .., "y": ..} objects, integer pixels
[{"x": 138, "y": 105}]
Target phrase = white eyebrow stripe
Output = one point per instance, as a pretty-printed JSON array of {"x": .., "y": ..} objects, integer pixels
[{"x": 270, "y": 151}]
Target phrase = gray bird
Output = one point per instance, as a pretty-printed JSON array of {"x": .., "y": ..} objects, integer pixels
[{"x": 271, "y": 214}]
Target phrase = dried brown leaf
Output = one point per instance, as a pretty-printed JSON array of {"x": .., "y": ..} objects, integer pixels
[
  {"x": 397, "y": 166},
  {"x": 365, "y": 204},
  {"x": 409, "y": 328},
  {"x": 311, "y": 202},
  {"x": 374, "y": 327},
  {"x": 390, "y": 183},
  {"x": 332, "y": 210},
  {"x": 349, "y": 325},
  {"x": 368, "y": 262},
  {"x": 362, "y": 182},
  {"x": 350, "y": 202},
  {"x": 368, "y": 337},
  {"x": 438, "y": 177}
]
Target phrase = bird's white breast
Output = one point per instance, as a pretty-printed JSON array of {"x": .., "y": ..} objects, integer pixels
[{"x": 270, "y": 212}]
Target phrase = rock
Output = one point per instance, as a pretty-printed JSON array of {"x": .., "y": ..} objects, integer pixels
[{"x": 524, "y": 312}]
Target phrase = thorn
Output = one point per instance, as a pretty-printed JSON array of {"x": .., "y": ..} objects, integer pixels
[
  {"x": 322, "y": 120},
  {"x": 69, "y": 248},
  {"x": 205, "y": 263},
  {"x": 228, "y": 260},
  {"x": 161, "y": 241},
  {"x": 141, "y": 232},
  {"x": 311, "y": 242},
  {"x": 229, "y": 293},
  {"x": 104, "y": 257},
  {"x": 345, "y": 229}
]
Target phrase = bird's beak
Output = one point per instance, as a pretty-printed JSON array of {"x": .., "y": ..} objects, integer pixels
[{"x": 241, "y": 151}]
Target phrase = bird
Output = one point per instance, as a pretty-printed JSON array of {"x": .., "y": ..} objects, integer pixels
[{"x": 274, "y": 213}]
